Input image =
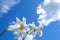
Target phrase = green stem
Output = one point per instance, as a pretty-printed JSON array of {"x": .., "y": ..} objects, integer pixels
[
  {"x": 24, "y": 37},
  {"x": 3, "y": 32},
  {"x": 26, "y": 34}
]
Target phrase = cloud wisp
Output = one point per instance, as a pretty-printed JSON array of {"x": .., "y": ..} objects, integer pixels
[
  {"x": 5, "y": 5},
  {"x": 48, "y": 11}
]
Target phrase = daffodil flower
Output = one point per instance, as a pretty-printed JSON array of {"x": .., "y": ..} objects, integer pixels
[
  {"x": 19, "y": 28},
  {"x": 34, "y": 30},
  {"x": 40, "y": 28}
]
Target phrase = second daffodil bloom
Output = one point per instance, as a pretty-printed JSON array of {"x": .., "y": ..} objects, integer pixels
[
  {"x": 19, "y": 28},
  {"x": 34, "y": 30},
  {"x": 40, "y": 28}
]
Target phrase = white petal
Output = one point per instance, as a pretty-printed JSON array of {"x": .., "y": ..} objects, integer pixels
[
  {"x": 25, "y": 25},
  {"x": 12, "y": 22},
  {"x": 29, "y": 37},
  {"x": 27, "y": 29},
  {"x": 23, "y": 32},
  {"x": 46, "y": 2},
  {"x": 34, "y": 34},
  {"x": 13, "y": 27},
  {"x": 20, "y": 38},
  {"x": 58, "y": 1},
  {"x": 19, "y": 34},
  {"x": 18, "y": 21},
  {"x": 24, "y": 20},
  {"x": 32, "y": 25},
  {"x": 17, "y": 31},
  {"x": 41, "y": 33}
]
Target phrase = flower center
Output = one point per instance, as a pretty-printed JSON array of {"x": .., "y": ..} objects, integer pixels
[
  {"x": 40, "y": 28},
  {"x": 21, "y": 27},
  {"x": 34, "y": 29}
]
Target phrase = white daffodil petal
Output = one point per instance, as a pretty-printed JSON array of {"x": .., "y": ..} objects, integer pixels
[
  {"x": 18, "y": 21},
  {"x": 16, "y": 31},
  {"x": 24, "y": 20},
  {"x": 27, "y": 29},
  {"x": 34, "y": 34},
  {"x": 23, "y": 34},
  {"x": 29, "y": 37},
  {"x": 19, "y": 34},
  {"x": 32, "y": 25},
  {"x": 13, "y": 27},
  {"x": 41, "y": 33},
  {"x": 12, "y": 23},
  {"x": 19, "y": 38}
]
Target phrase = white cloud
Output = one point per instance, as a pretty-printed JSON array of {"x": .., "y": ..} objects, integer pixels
[
  {"x": 46, "y": 2},
  {"x": 5, "y": 5},
  {"x": 57, "y": 1},
  {"x": 49, "y": 11}
]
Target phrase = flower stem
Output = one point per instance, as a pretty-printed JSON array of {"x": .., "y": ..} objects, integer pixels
[
  {"x": 3, "y": 32},
  {"x": 24, "y": 37}
]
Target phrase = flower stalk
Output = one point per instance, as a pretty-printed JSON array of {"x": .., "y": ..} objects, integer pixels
[{"x": 4, "y": 31}]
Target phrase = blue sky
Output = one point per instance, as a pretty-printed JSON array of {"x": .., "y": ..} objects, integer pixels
[{"x": 27, "y": 8}]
